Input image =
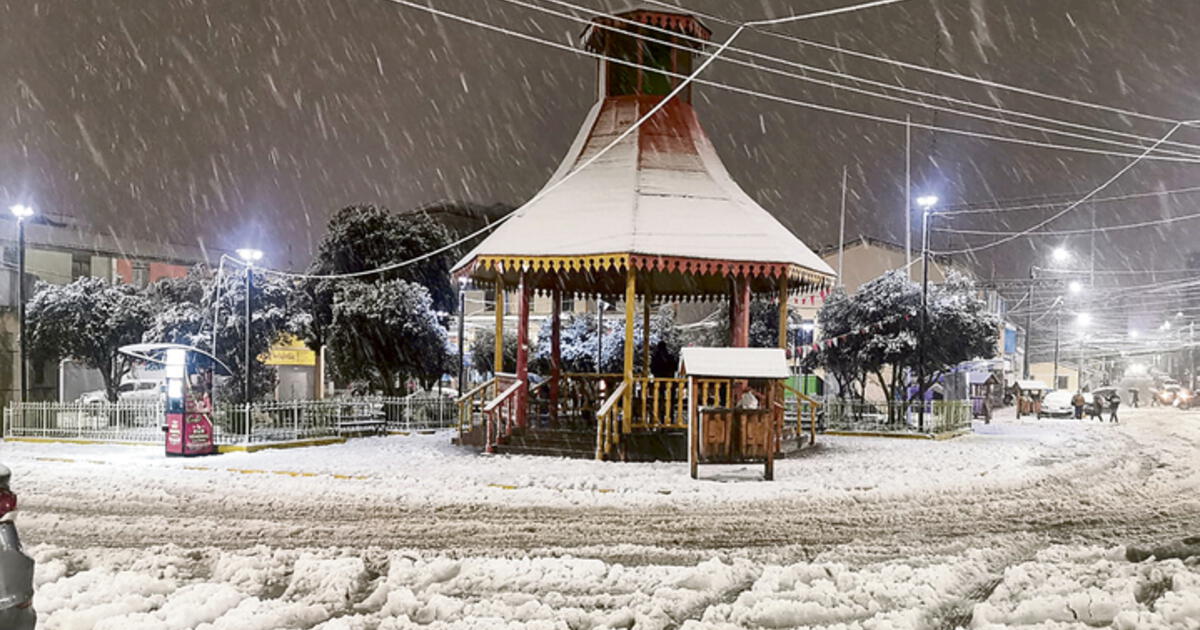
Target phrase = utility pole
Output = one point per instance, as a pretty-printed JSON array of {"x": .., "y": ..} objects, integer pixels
[
  {"x": 924, "y": 318},
  {"x": 1029, "y": 321},
  {"x": 462, "y": 316},
  {"x": 908, "y": 260},
  {"x": 1057, "y": 326},
  {"x": 842, "y": 229},
  {"x": 249, "y": 288}
]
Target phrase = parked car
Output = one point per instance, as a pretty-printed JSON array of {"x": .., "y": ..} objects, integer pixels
[
  {"x": 1057, "y": 404},
  {"x": 16, "y": 568},
  {"x": 131, "y": 390}
]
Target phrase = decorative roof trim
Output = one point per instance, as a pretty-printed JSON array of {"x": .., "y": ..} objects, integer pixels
[{"x": 641, "y": 262}]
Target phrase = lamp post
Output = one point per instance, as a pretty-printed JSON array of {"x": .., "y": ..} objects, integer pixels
[
  {"x": 926, "y": 203},
  {"x": 21, "y": 212},
  {"x": 462, "y": 316},
  {"x": 600, "y": 306},
  {"x": 1081, "y": 322},
  {"x": 250, "y": 256}
]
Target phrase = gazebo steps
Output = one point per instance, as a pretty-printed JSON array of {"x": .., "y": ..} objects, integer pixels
[{"x": 550, "y": 442}]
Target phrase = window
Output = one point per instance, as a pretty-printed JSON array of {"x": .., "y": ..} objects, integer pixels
[
  {"x": 1062, "y": 383},
  {"x": 81, "y": 266},
  {"x": 622, "y": 79},
  {"x": 568, "y": 303},
  {"x": 656, "y": 55}
]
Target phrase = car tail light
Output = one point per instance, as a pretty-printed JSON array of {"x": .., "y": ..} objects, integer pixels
[
  {"x": 8, "y": 502},
  {"x": 25, "y": 604}
]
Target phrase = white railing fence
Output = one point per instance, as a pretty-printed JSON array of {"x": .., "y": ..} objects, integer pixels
[
  {"x": 941, "y": 416},
  {"x": 271, "y": 421}
]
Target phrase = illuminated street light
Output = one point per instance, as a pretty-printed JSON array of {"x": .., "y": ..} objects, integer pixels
[
  {"x": 1074, "y": 287},
  {"x": 251, "y": 256},
  {"x": 21, "y": 212},
  {"x": 1083, "y": 320},
  {"x": 1133, "y": 334},
  {"x": 926, "y": 202},
  {"x": 1061, "y": 254}
]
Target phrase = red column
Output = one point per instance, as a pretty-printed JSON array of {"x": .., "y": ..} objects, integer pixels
[
  {"x": 740, "y": 313},
  {"x": 523, "y": 354},
  {"x": 555, "y": 354}
]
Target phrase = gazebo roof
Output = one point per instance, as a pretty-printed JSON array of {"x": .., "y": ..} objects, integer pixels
[{"x": 660, "y": 200}]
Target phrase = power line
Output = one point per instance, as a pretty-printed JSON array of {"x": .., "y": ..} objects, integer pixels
[
  {"x": 859, "y": 79},
  {"x": 848, "y": 88},
  {"x": 1107, "y": 228},
  {"x": 1071, "y": 207},
  {"x": 920, "y": 68},
  {"x": 547, "y": 189},
  {"x": 1044, "y": 206}
]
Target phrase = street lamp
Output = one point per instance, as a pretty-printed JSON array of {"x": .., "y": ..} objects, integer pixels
[
  {"x": 462, "y": 316},
  {"x": 926, "y": 203},
  {"x": 21, "y": 212},
  {"x": 1082, "y": 321},
  {"x": 1075, "y": 287},
  {"x": 250, "y": 256},
  {"x": 600, "y": 306},
  {"x": 1061, "y": 254}
]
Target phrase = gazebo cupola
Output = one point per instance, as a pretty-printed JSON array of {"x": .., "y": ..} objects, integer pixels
[
  {"x": 654, "y": 217},
  {"x": 643, "y": 37}
]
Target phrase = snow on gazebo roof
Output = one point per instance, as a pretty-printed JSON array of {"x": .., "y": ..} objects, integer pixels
[
  {"x": 734, "y": 362},
  {"x": 661, "y": 197}
]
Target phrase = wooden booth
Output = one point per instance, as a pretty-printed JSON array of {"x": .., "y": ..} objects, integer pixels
[
  {"x": 654, "y": 219},
  {"x": 743, "y": 427},
  {"x": 1029, "y": 394}
]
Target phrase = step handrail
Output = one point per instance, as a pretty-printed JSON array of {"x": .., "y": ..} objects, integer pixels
[
  {"x": 802, "y": 396},
  {"x": 604, "y": 420},
  {"x": 495, "y": 402},
  {"x": 475, "y": 390}
]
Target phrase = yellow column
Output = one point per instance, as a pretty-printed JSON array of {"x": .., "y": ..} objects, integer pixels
[
  {"x": 783, "y": 311},
  {"x": 498, "y": 359},
  {"x": 630, "y": 307},
  {"x": 646, "y": 299}
]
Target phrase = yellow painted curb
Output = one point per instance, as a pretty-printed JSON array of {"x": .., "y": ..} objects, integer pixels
[
  {"x": 900, "y": 436},
  {"x": 253, "y": 448}
]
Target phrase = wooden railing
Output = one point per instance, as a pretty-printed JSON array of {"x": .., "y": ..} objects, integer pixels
[
  {"x": 714, "y": 392},
  {"x": 659, "y": 403},
  {"x": 501, "y": 415},
  {"x": 803, "y": 402},
  {"x": 470, "y": 405},
  {"x": 608, "y": 422},
  {"x": 580, "y": 395}
]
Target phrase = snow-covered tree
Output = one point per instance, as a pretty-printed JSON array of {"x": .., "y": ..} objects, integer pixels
[
  {"x": 361, "y": 238},
  {"x": 579, "y": 344},
  {"x": 483, "y": 351},
  {"x": 888, "y": 308},
  {"x": 87, "y": 320},
  {"x": 184, "y": 313},
  {"x": 386, "y": 333},
  {"x": 960, "y": 329}
]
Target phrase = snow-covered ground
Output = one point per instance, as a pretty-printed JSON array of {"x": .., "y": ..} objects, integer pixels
[{"x": 1021, "y": 524}]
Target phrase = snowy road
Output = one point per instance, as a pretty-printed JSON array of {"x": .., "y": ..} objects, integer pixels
[
  {"x": 1059, "y": 481},
  {"x": 924, "y": 530}
]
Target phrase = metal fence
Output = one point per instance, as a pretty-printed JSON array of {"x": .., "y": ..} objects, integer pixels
[
  {"x": 941, "y": 416},
  {"x": 272, "y": 421}
]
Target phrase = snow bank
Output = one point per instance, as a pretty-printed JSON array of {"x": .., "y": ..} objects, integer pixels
[{"x": 335, "y": 589}]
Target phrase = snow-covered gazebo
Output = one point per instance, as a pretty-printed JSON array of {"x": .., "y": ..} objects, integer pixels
[{"x": 656, "y": 217}]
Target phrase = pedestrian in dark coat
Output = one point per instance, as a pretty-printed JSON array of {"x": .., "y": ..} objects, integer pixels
[
  {"x": 1077, "y": 402},
  {"x": 1097, "y": 407},
  {"x": 1114, "y": 401}
]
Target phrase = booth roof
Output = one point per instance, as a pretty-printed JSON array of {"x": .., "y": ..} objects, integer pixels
[
  {"x": 734, "y": 362},
  {"x": 1031, "y": 385},
  {"x": 661, "y": 191}
]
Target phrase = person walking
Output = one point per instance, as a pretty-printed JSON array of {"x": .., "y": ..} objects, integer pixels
[
  {"x": 1114, "y": 401},
  {"x": 1097, "y": 407},
  {"x": 1133, "y": 397},
  {"x": 1077, "y": 402}
]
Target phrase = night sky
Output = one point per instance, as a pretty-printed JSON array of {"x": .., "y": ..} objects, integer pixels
[{"x": 238, "y": 122}]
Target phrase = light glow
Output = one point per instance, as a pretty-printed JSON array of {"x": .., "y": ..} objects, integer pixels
[
  {"x": 21, "y": 211},
  {"x": 250, "y": 255},
  {"x": 926, "y": 202}
]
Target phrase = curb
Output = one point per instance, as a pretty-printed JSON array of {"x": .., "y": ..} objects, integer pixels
[{"x": 900, "y": 436}]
